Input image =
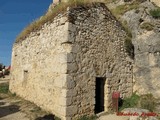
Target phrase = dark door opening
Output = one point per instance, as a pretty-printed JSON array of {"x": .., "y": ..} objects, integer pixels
[{"x": 99, "y": 100}]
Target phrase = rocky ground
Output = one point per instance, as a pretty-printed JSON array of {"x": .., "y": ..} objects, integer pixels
[{"x": 13, "y": 107}]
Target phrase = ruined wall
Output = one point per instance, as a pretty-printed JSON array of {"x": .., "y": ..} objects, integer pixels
[
  {"x": 56, "y": 67},
  {"x": 97, "y": 41},
  {"x": 39, "y": 66}
]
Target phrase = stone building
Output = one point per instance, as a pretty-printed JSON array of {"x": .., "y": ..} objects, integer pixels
[{"x": 71, "y": 66}]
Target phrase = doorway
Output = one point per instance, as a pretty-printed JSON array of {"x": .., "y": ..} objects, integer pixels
[{"x": 99, "y": 97}]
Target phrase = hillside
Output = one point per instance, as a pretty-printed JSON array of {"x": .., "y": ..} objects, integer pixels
[{"x": 142, "y": 20}]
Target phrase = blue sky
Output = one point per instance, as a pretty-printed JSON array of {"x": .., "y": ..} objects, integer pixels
[{"x": 15, "y": 15}]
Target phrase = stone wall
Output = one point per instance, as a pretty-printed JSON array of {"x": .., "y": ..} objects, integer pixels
[
  {"x": 39, "y": 66},
  {"x": 56, "y": 67},
  {"x": 97, "y": 41}
]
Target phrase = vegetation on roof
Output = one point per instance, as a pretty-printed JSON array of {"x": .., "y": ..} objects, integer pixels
[
  {"x": 49, "y": 17},
  {"x": 155, "y": 13}
]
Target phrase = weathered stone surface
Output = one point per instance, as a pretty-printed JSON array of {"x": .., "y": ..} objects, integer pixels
[
  {"x": 56, "y": 67},
  {"x": 40, "y": 66},
  {"x": 146, "y": 44}
]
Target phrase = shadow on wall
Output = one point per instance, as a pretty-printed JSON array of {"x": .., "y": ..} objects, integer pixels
[{"x": 7, "y": 110}]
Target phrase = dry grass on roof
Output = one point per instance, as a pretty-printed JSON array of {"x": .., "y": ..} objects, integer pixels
[{"x": 49, "y": 17}]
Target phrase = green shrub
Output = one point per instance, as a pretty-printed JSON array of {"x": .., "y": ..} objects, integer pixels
[
  {"x": 146, "y": 25},
  {"x": 4, "y": 88},
  {"x": 13, "y": 94},
  {"x": 148, "y": 102},
  {"x": 128, "y": 31},
  {"x": 35, "y": 109},
  {"x": 130, "y": 102},
  {"x": 56, "y": 118},
  {"x": 129, "y": 47},
  {"x": 121, "y": 9},
  {"x": 155, "y": 13},
  {"x": 49, "y": 17},
  {"x": 88, "y": 118}
]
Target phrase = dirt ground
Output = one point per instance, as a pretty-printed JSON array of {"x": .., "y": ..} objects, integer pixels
[
  {"x": 13, "y": 107},
  {"x": 16, "y": 108}
]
